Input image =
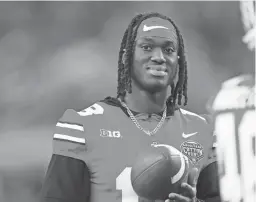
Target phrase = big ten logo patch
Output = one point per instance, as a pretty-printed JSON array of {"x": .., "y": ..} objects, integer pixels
[
  {"x": 110, "y": 134},
  {"x": 193, "y": 150}
]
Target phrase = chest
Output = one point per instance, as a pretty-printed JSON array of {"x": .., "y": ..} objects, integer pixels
[{"x": 116, "y": 143}]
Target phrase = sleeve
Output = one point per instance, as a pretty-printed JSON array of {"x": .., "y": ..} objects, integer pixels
[
  {"x": 208, "y": 180},
  {"x": 69, "y": 136},
  {"x": 68, "y": 176},
  {"x": 208, "y": 183}
]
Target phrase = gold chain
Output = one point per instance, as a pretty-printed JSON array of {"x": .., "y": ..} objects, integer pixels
[{"x": 134, "y": 120}]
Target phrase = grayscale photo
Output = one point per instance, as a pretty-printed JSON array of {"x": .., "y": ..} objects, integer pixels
[{"x": 127, "y": 101}]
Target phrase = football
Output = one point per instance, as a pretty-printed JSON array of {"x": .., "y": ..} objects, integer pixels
[{"x": 159, "y": 171}]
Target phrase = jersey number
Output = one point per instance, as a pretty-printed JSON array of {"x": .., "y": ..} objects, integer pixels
[
  {"x": 237, "y": 160},
  {"x": 123, "y": 183},
  {"x": 92, "y": 110}
]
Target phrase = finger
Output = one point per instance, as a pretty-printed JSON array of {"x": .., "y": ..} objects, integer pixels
[
  {"x": 192, "y": 176},
  {"x": 178, "y": 197},
  {"x": 188, "y": 190}
]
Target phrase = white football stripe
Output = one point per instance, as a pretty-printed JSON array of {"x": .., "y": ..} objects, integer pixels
[
  {"x": 70, "y": 138},
  {"x": 71, "y": 126},
  {"x": 172, "y": 151},
  {"x": 179, "y": 174}
]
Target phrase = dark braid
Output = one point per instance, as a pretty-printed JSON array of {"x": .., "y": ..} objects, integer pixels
[
  {"x": 121, "y": 81},
  {"x": 124, "y": 70}
]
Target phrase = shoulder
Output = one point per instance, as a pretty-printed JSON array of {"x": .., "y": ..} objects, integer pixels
[
  {"x": 101, "y": 107},
  {"x": 191, "y": 116},
  {"x": 205, "y": 126},
  {"x": 203, "y": 123},
  {"x": 68, "y": 138},
  {"x": 70, "y": 135}
]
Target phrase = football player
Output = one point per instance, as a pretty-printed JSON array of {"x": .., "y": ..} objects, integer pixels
[
  {"x": 94, "y": 149},
  {"x": 234, "y": 106}
]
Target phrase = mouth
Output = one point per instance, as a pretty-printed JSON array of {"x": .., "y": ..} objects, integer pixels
[{"x": 157, "y": 70}]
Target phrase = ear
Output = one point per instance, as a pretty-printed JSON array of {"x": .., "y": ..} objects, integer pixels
[{"x": 124, "y": 56}]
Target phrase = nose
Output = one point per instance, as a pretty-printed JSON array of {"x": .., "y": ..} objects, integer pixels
[{"x": 158, "y": 56}]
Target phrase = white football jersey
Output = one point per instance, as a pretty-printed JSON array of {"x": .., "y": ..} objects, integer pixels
[{"x": 235, "y": 127}]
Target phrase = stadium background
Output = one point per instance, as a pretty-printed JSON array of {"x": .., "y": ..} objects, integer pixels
[{"x": 58, "y": 55}]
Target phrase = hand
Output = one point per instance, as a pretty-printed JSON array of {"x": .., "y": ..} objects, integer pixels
[{"x": 188, "y": 189}]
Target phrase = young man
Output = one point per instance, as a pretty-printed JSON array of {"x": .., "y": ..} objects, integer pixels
[{"x": 94, "y": 149}]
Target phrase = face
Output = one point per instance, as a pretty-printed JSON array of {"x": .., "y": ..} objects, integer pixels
[{"x": 155, "y": 63}]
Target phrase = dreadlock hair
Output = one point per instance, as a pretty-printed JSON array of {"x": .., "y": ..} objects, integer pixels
[{"x": 178, "y": 90}]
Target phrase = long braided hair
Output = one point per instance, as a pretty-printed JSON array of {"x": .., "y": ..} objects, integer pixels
[{"x": 178, "y": 90}]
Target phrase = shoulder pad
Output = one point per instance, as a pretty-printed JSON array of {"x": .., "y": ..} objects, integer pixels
[
  {"x": 192, "y": 115},
  {"x": 69, "y": 138}
]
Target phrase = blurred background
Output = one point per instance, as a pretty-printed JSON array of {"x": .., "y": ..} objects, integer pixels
[{"x": 59, "y": 55}]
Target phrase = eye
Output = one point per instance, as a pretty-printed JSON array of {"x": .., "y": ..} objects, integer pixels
[
  {"x": 146, "y": 47},
  {"x": 169, "y": 50}
]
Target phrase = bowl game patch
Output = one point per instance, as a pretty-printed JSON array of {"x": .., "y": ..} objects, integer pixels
[{"x": 193, "y": 150}]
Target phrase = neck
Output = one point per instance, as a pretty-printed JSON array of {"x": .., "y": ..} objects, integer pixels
[{"x": 145, "y": 102}]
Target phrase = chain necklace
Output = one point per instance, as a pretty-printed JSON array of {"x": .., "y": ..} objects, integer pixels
[{"x": 134, "y": 120}]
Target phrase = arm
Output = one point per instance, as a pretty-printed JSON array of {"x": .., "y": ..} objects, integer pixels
[
  {"x": 208, "y": 181},
  {"x": 67, "y": 180},
  {"x": 68, "y": 177}
]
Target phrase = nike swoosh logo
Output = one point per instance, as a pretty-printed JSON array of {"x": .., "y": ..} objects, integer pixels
[
  {"x": 188, "y": 135},
  {"x": 146, "y": 28}
]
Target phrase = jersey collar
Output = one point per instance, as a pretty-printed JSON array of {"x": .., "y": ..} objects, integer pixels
[{"x": 115, "y": 102}]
